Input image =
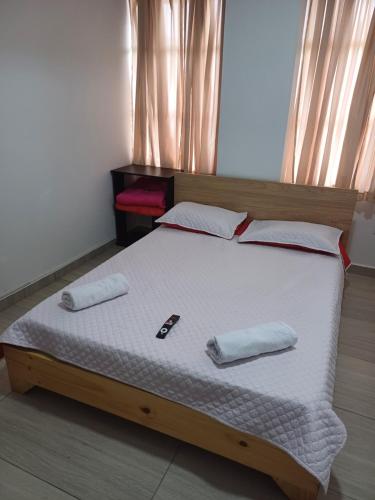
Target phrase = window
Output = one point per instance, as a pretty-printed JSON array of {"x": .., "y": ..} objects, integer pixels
[
  {"x": 174, "y": 64},
  {"x": 330, "y": 139}
]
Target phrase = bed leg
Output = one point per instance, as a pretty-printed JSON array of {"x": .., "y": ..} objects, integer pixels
[
  {"x": 18, "y": 377},
  {"x": 296, "y": 493}
]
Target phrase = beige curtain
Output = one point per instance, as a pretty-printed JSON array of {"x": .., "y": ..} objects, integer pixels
[
  {"x": 175, "y": 63},
  {"x": 330, "y": 138}
]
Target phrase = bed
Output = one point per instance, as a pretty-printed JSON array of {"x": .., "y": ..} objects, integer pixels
[{"x": 273, "y": 413}]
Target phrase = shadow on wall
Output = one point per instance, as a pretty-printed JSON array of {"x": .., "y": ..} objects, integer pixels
[
  {"x": 362, "y": 235},
  {"x": 64, "y": 109},
  {"x": 367, "y": 209}
]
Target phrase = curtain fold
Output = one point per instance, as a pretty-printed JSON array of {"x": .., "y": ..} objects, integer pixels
[
  {"x": 330, "y": 138},
  {"x": 177, "y": 83},
  {"x": 359, "y": 143}
]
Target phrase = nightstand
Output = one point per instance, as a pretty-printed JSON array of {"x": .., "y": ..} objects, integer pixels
[{"x": 125, "y": 176}]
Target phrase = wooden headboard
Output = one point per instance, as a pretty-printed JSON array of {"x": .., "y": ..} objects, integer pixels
[{"x": 270, "y": 200}]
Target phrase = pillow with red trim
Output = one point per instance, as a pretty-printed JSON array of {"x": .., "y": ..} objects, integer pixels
[
  {"x": 305, "y": 236},
  {"x": 346, "y": 262},
  {"x": 239, "y": 229},
  {"x": 301, "y": 234},
  {"x": 181, "y": 228},
  {"x": 203, "y": 218}
]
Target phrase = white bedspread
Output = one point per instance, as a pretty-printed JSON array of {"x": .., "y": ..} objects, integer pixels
[{"x": 216, "y": 286}]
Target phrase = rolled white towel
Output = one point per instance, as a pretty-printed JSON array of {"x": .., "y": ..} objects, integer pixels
[
  {"x": 99, "y": 291},
  {"x": 259, "y": 339}
]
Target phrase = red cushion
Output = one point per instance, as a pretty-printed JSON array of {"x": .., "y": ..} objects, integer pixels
[
  {"x": 151, "y": 211},
  {"x": 144, "y": 192}
]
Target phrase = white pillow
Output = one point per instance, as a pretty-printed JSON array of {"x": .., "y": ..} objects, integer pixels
[
  {"x": 206, "y": 218},
  {"x": 303, "y": 234}
]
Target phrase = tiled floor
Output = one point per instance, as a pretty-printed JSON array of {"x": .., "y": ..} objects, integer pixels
[{"x": 54, "y": 448}]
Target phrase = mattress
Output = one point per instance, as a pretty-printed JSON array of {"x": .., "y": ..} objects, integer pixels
[{"x": 215, "y": 285}]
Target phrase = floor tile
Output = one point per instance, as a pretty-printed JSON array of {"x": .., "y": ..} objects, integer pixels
[
  {"x": 355, "y": 385},
  {"x": 332, "y": 495},
  {"x": 357, "y": 339},
  {"x": 359, "y": 298},
  {"x": 16, "y": 484},
  {"x": 83, "y": 451},
  {"x": 354, "y": 468},
  {"x": 4, "y": 381},
  {"x": 199, "y": 475}
]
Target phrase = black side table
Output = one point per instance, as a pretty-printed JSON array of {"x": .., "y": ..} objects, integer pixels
[{"x": 122, "y": 177}]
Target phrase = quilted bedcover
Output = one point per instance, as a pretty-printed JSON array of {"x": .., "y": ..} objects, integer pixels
[{"x": 216, "y": 286}]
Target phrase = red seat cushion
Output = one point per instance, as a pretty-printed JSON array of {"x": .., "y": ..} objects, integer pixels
[
  {"x": 135, "y": 209},
  {"x": 145, "y": 192}
]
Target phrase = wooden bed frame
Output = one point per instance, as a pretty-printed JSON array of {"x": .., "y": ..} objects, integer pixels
[{"x": 262, "y": 200}]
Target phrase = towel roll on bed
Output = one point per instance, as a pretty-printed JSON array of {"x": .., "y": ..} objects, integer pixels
[
  {"x": 83, "y": 296},
  {"x": 259, "y": 339}
]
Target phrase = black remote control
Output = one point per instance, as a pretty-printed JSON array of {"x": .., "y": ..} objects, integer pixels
[{"x": 164, "y": 330}]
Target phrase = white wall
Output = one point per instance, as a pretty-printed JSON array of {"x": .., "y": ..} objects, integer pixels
[
  {"x": 63, "y": 117},
  {"x": 61, "y": 131},
  {"x": 260, "y": 40},
  {"x": 260, "y": 44}
]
